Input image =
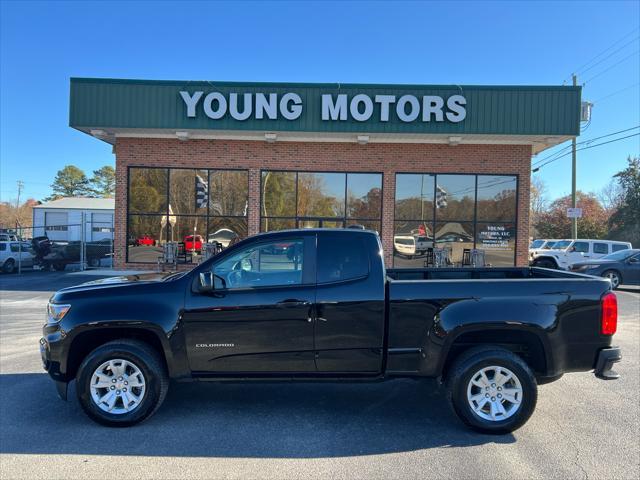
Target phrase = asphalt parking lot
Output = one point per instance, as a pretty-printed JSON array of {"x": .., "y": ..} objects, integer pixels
[{"x": 582, "y": 428}]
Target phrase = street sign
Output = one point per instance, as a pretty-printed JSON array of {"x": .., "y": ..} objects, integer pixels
[{"x": 574, "y": 212}]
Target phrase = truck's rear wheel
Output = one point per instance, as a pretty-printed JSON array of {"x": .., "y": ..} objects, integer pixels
[
  {"x": 492, "y": 390},
  {"x": 59, "y": 266},
  {"x": 121, "y": 383}
]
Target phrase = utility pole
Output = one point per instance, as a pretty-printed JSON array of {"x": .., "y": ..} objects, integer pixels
[
  {"x": 574, "y": 221},
  {"x": 20, "y": 184}
]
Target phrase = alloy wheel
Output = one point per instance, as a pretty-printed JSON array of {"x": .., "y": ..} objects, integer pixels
[
  {"x": 494, "y": 393},
  {"x": 117, "y": 386}
]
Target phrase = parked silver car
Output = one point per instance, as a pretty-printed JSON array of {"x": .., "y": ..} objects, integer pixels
[{"x": 15, "y": 253}]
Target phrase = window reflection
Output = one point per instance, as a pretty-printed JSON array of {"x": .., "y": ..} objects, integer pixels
[
  {"x": 364, "y": 195},
  {"x": 321, "y": 194},
  {"x": 229, "y": 192},
  {"x": 320, "y": 200},
  {"x": 455, "y": 237},
  {"x": 497, "y": 198},
  {"x": 414, "y": 197},
  {"x": 182, "y": 198},
  {"x": 147, "y": 233},
  {"x": 455, "y": 197},
  {"x": 148, "y": 190},
  {"x": 186, "y": 191},
  {"x": 278, "y": 194}
]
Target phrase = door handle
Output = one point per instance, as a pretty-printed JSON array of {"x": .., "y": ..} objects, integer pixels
[{"x": 293, "y": 302}]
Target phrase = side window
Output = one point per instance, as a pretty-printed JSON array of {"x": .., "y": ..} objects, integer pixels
[
  {"x": 263, "y": 265},
  {"x": 582, "y": 247},
  {"x": 617, "y": 247},
  {"x": 3, "y": 247},
  {"x": 601, "y": 248},
  {"x": 339, "y": 260},
  {"x": 15, "y": 248}
]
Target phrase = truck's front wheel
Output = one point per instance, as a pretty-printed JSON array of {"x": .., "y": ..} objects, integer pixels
[
  {"x": 121, "y": 383},
  {"x": 492, "y": 390}
]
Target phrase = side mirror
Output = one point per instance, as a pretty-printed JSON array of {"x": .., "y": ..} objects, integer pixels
[
  {"x": 634, "y": 260},
  {"x": 206, "y": 282}
]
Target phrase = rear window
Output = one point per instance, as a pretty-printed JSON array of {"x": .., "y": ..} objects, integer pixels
[
  {"x": 618, "y": 247},
  {"x": 600, "y": 248},
  {"x": 340, "y": 260}
]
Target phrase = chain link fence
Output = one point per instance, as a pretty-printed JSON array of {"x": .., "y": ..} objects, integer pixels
[{"x": 73, "y": 246}]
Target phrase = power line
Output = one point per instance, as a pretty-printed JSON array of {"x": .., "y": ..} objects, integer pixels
[
  {"x": 610, "y": 55},
  {"x": 611, "y": 66},
  {"x": 578, "y": 70},
  {"x": 616, "y": 92},
  {"x": 590, "y": 140},
  {"x": 585, "y": 148}
]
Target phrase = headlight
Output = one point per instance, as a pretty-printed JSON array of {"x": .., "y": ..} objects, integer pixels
[{"x": 55, "y": 311}]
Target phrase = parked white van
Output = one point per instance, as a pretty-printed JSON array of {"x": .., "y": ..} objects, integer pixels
[
  {"x": 567, "y": 252},
  {"x": 410, "y": 245},
  {"x": 14, "y": 254}
]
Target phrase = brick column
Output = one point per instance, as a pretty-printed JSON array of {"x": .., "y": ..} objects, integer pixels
[
  {"x": 388, "y": 207},
  {"x": 253, "y": 212}
]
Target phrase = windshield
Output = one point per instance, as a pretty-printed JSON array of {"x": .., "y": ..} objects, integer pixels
[
  {"x": 562, "y": 244},
  {"x": 536, "y": 244},
  {"x": 621, "y": 255}
]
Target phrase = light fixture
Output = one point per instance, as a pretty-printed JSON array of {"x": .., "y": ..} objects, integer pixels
[
  {"x": 182, "y": 136},
  {"x": 270, "y": 137},
  {"x": 363, "y": 139},
  {"x": 454, "y": 140},
  {"x": 97, "y": 133}
]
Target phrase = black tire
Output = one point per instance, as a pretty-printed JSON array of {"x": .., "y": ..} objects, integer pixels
[
  {"x": 472, "y": 361},
  {"x": 9, "y": 266},
  {"x": 94, "y": 262},
  {"x": 612, "y": 275},
  {"x": 545, "y": 263},
  {"x": 150, "y": 364},
  {"x": 58, "y": 267}
]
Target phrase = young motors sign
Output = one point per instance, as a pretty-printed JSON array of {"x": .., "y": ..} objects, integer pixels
[
  {"x": 161, "y": 107},
  {"x": 341, "y": 107}
]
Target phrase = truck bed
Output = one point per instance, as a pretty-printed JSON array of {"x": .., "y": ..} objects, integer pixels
[{"x": 477, "y": 273}]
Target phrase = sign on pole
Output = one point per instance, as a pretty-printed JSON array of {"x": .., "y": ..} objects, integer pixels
[{"x": 574, "y": 213}]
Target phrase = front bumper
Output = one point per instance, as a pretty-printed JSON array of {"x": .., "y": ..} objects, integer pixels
[
  {"x": 53, "y": 368},
  {"x": 604, "y": 363}
]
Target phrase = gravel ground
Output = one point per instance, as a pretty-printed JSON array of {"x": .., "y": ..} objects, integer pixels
[{"x": 582, "y": 428}]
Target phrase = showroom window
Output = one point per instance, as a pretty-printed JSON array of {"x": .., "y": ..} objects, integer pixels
[
  {"x": 320, "y": 200},
  {"x": 187, "y": 206},
  {"x": 455, "y": 214}
]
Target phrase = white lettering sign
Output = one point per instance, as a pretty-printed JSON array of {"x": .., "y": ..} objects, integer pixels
[{"x": 360, "y": 107}]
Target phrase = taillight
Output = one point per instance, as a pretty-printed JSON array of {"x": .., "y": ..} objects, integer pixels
[{"x": 609, "y": 320}]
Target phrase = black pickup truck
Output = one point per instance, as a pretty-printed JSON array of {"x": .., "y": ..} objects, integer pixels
[{"x": 318, "y": 305}]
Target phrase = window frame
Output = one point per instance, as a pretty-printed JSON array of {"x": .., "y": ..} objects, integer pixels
[
  {"x": 207, "y": 215},
  {"x": 297, "y": 218},
  {"x": 308, "y": 265},
  {"x": 474, "y": 222}
]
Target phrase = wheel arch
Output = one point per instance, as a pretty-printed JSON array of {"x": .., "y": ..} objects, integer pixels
[
  {"x": 87, "y": 341},
  {"x": 529, "y": 345}
]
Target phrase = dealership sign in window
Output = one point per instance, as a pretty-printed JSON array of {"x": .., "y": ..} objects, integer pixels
[{"x": 495, "y": 236}]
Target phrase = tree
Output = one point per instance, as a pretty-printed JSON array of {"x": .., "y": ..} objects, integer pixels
[
  {"x": 611, "y": 196},
  {"x": 624, "y": 223},
  {"x": 103, "y": 182},
  {"x": 554, "y": 223},
  {"x": 13, "y": 215},
  {"x": 69, "y": 182},
  {"x": 537, "y": 201}
]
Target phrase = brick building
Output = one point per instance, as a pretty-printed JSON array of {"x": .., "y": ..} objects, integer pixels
[{"x": 425, "y": 166}]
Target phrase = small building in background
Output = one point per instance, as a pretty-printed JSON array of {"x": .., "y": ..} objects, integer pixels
[{"x": 64, "y": 219}]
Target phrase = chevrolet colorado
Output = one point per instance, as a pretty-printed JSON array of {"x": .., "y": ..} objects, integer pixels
[{"x": 313, "y": 305}]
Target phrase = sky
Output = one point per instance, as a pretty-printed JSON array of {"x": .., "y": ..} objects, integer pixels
[{"x": 43, "y": 44}]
